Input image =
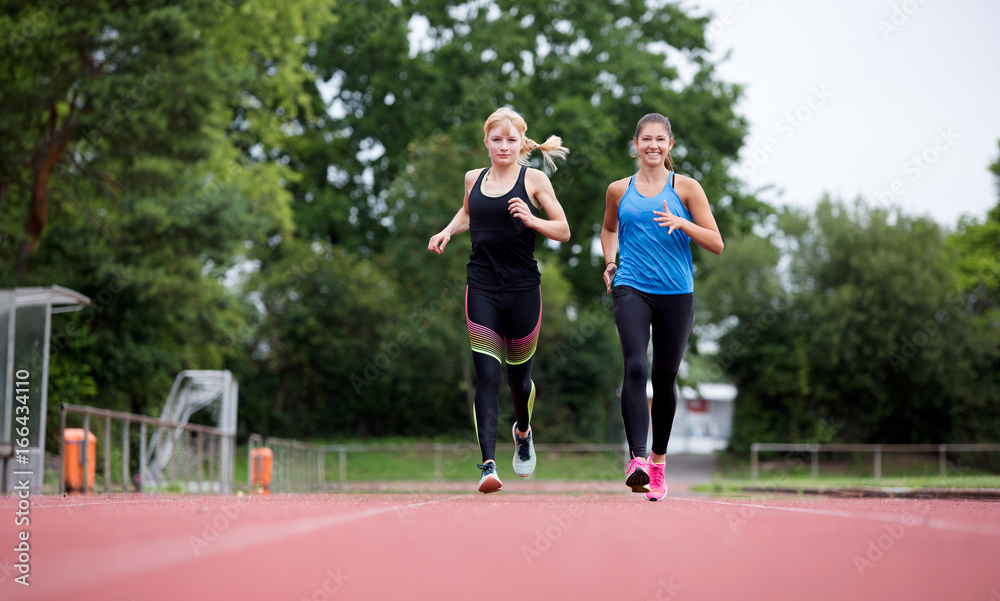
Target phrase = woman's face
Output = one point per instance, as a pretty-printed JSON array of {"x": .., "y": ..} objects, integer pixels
[
  {"x": 653, "y": 144},
  {"x": 504, "y": 148}
]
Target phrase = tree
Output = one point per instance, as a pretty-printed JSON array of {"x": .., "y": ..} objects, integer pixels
[
  {"x": 585, "y": 72},
  {"x": 122, "y": 98},
  {"x": 976, "y": 248},
  {"x": 859, "y": 330},
  {"x": 130, "y": 170}
]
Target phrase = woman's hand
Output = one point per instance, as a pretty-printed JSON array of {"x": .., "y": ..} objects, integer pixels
[
  {"x": 668, "y": 219},
  {"x": 518, "y": 208},
  {"x": 609, "y": 275},
  {"x": 438, "y": 242}
]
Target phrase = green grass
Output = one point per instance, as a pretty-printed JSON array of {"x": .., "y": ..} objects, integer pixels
[
  {"x": 729, "y": 485},
  {"x": 461, "y": 466},
  {"x": 898, "y": 471},
  {"x": 455, "y": 465}
]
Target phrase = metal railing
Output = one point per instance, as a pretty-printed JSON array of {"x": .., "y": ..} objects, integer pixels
[
  {"x": 302, "y": 466},
  {"x": 815, "y": 449},
  {"x": 196, "y": 450},
  {"x": 296, "y": 466}
]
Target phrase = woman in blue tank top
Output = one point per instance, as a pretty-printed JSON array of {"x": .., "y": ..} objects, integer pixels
[
  {"x": 503, "y": 303},
  {"x": 649, "y": 221}
]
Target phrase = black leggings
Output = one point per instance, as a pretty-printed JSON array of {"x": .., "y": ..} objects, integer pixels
[
  {"x": 506, "y": 322},
  {"x": 670, "y": 316}
]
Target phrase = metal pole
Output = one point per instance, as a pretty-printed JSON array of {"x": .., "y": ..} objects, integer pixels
[
  {"x": 107, "y": 454},
  {"x": 7, "y": 393},
  {"x": 200, "y": 460},
  {"x": 83, "y": 453},
  {"x": 343, "y": 466},
  {"x": 142, "y": 455},
  {"x": 437, "y": 462},
  {"x": 125, "y": 458},
  {"x": 311, "y": 453},
  {"x": 173, "y": 459},
  {"x": 250, "y": 464},
  {"x": 320, "y": 469},
  {"x": 46, "y": 337},
  {"x": 754, "y": 462},
  {"x": 187, "y": 460},
  {"x": 943, "y": 460},
  {"x": 62, "y": 449},
  {"x": 878, "y": 461},
  {"x": 815, "y": 461},
  {"x": 211, "y": 460}
]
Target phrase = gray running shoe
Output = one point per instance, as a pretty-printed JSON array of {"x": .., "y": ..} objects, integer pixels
[
  {"x": 524, "y": 454},
  {"x": 490, "y": 482}
]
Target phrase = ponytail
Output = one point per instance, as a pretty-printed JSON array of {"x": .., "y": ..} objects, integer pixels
[
  {"x": 551, "y": 149},
  {"x": 507, "y": 118}
]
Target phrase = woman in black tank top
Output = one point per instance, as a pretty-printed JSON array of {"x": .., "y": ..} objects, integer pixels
[{"x": 502, "y": 211}]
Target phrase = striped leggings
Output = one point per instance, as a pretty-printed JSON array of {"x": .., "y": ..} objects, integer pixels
[{"x": 507, "y": 323}]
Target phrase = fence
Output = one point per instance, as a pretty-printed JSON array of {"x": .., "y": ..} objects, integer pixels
[
  {"x": 296, "y": 466},
  {"x": 815, "y": 449},
  {"x": 196, "y": 461},
  {"x": 300, "y": 466}
]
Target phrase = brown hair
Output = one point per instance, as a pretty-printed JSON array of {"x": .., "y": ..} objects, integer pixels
[
  {"x": 506, "y": 118},
  {"x": 668, "y": 162}
]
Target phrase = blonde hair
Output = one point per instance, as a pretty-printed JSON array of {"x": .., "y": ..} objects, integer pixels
[
  {"x": 506, "y": 118},
  {"x": 668, "y": 162}
]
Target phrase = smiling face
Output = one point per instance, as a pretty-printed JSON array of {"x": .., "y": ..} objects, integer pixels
[
  {"x": 504, "y": 145},
  {"x": 653, "y": 144}
]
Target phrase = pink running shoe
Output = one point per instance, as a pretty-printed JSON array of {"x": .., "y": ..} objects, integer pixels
[
  {"x": 636, "y": 476},
  {"x": 657, "y": 484}
]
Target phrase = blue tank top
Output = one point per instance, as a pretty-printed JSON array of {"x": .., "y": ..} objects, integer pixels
[{"x": 651, "y": 260}]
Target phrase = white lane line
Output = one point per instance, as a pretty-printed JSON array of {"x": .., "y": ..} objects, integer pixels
[
  {"x": 913, "y": 519},
  {"x": 86, "y": 568}
]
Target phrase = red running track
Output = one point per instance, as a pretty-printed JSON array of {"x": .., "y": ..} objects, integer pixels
[{"x": 503, "y": 546}]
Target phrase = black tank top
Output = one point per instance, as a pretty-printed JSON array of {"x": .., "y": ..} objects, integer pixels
[{"x": 503, "y": 248}]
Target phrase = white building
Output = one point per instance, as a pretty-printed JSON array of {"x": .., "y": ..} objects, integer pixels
[{"x": 703, "y": 421}]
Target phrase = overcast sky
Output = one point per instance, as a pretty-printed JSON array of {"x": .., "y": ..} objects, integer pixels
[{"x": 896, "y": 101}]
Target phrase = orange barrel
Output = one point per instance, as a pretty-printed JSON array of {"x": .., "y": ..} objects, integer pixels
[
  {"x": 260, "y": 467},
  {"x": 73, "y": 462}
]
